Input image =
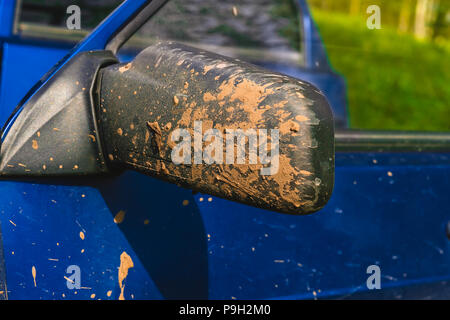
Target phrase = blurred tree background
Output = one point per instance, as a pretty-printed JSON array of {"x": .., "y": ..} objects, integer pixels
[
  {"x": 398, "y": 76},
  {"x": 53, "y": 12}
]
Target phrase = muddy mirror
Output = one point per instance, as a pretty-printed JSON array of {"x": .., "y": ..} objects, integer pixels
[{"x": 218, "y": 126}]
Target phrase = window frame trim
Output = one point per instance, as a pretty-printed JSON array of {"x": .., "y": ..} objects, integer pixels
[{"x": 354, "y": 140}]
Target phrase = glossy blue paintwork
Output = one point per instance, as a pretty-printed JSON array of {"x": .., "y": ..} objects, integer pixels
[
  {"x": 386, "y": 209},
  {"x": 7, "y": 9}
]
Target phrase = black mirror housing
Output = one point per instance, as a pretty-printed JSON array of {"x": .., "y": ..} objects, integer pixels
[{"x": 219, "y": 126}]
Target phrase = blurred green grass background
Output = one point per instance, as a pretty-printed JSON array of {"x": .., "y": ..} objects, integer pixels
[{"x": 395, "y": 81}]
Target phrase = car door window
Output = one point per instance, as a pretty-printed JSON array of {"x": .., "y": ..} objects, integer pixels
[
  {"x": 252, "y": 30},
  {"x": 46, "y": 19}
]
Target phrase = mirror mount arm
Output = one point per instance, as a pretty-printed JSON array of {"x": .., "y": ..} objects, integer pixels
[{"x": 56, "y": 133}]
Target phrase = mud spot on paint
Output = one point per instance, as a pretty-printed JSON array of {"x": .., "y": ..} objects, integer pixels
[
  {"x": 119, "y": 217},
  {"x": 301, "y": 118},
  {"x": 126, "y": 263},
  {"x": 208, "y": 97}
]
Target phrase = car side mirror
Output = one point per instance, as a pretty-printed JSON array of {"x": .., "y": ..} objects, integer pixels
[{"x": 205, "y": 122}]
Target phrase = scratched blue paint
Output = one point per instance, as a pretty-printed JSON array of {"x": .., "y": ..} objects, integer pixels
[{"x": 386, "y": 209}]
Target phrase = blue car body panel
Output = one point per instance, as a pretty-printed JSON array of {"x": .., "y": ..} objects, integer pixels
[{"x": 388, "y": 209}]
